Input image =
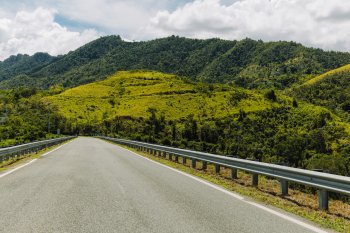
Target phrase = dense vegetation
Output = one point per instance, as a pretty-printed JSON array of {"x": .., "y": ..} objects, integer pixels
[
  {"x": 331, "y": 90},
  {"x": 247, "y": 63},
  {"x": 22, "y": 65},
  {"x": 25, "y": 117},
  {"x": 257, "y": 124}
]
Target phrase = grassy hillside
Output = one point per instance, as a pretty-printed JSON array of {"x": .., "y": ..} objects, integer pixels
[
  {"x": 247, "y": 63},
  {"x": 344, "y": 69},
  {"x": 223, "y": 119},
  {"x": 131, "y": 94},
  {"x": 331, "y": 90}
]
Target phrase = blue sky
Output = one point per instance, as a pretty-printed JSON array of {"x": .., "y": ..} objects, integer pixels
[{"x": 56, "y": 27}]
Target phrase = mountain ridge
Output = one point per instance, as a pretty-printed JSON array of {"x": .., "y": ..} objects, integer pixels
[{"x": 247, "y": 63}]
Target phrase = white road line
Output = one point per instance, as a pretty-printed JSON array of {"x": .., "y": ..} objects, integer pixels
[
  {"x": 17, "y": 168},
  {"x": 291, "y": 219},
  {"x": 286, "y": 217},
  {"x": 196, "y": 178},
  {"x": 49, "y": 152},
  {"x": 30, "y": 162}
]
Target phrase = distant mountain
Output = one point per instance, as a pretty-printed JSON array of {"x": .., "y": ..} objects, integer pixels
[
  {"x": 23, "y": 65},
  {"x": 247, "y": 63}
]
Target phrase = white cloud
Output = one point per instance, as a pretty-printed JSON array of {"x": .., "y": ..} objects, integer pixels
[
  {"x": 33, "y": 31},
  {"x": 319, "y": 23},
  {"x": 114, "y": 16},
  {"x": 28, "y": 26}
]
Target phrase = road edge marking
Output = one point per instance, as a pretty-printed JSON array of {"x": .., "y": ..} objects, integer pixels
[
  {"x": 31, "y": 161},
  {"x": 286, "y": 217},
  {"x": 230, "y": 193},
  {"x": 17, "y": 168},
  {"x": 53, "y": 150}
]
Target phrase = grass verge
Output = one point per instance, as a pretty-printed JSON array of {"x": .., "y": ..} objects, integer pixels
[{"x": 297, "y": 202}]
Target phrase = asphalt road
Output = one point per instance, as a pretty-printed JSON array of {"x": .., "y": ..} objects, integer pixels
[{"x": 90, "y": 185}]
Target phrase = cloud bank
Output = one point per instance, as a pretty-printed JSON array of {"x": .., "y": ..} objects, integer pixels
[
  {"x": 29, "y": 26},
  {"x": 318, "y": 23},
  {"x": 31, "y": 32}
]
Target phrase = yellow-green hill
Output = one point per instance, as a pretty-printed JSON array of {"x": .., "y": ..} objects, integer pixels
[
  {"x": 343, "y": 69},
  {"x": 133, "y": 93},
  {"x": 260, "y": 124},
  {"x": 330, "y": 90}
]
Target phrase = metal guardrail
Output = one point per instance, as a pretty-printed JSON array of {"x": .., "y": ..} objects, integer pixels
[
  {"x": 15, "y": 151},
  {"x": 323, "y": 181}
]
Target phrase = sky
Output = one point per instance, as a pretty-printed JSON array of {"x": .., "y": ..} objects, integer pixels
[{"x": 59, "y": 26}]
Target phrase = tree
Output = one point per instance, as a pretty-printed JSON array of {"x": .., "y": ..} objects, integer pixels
[
  {"x": 191, "y": 127},
  {"x": 295, "y": 103},
  {"x": 271, "y": 95}
]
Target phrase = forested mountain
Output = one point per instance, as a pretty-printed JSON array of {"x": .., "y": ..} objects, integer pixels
[
  {"x": 247, "y": 63},
  {"x": 23, "y": 65}
]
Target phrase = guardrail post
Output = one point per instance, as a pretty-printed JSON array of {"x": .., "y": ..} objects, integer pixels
[
  {"x": 204, "y": 165},
  {"x": 194, "y": 163},
  {"x": 234, "y": 173},
  {"x": 217, "y": 168},
  {"x": 176, "y": 158},
  {"x": 284, "y": 187},
  {"x": 184, "y": 160},
  {"x": 323, "y": 199},
  {"x": 255, "y": 179}
]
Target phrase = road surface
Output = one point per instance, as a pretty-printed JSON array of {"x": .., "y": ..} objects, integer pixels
[{"x": 90, "y": 185}]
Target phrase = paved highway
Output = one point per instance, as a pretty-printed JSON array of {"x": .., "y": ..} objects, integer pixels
[{"x": 90, "y": 185}]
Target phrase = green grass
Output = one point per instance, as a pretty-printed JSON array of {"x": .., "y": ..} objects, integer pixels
[
  {"x": 132, "y": 93},
  {"x": 298, "y": 203}
]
